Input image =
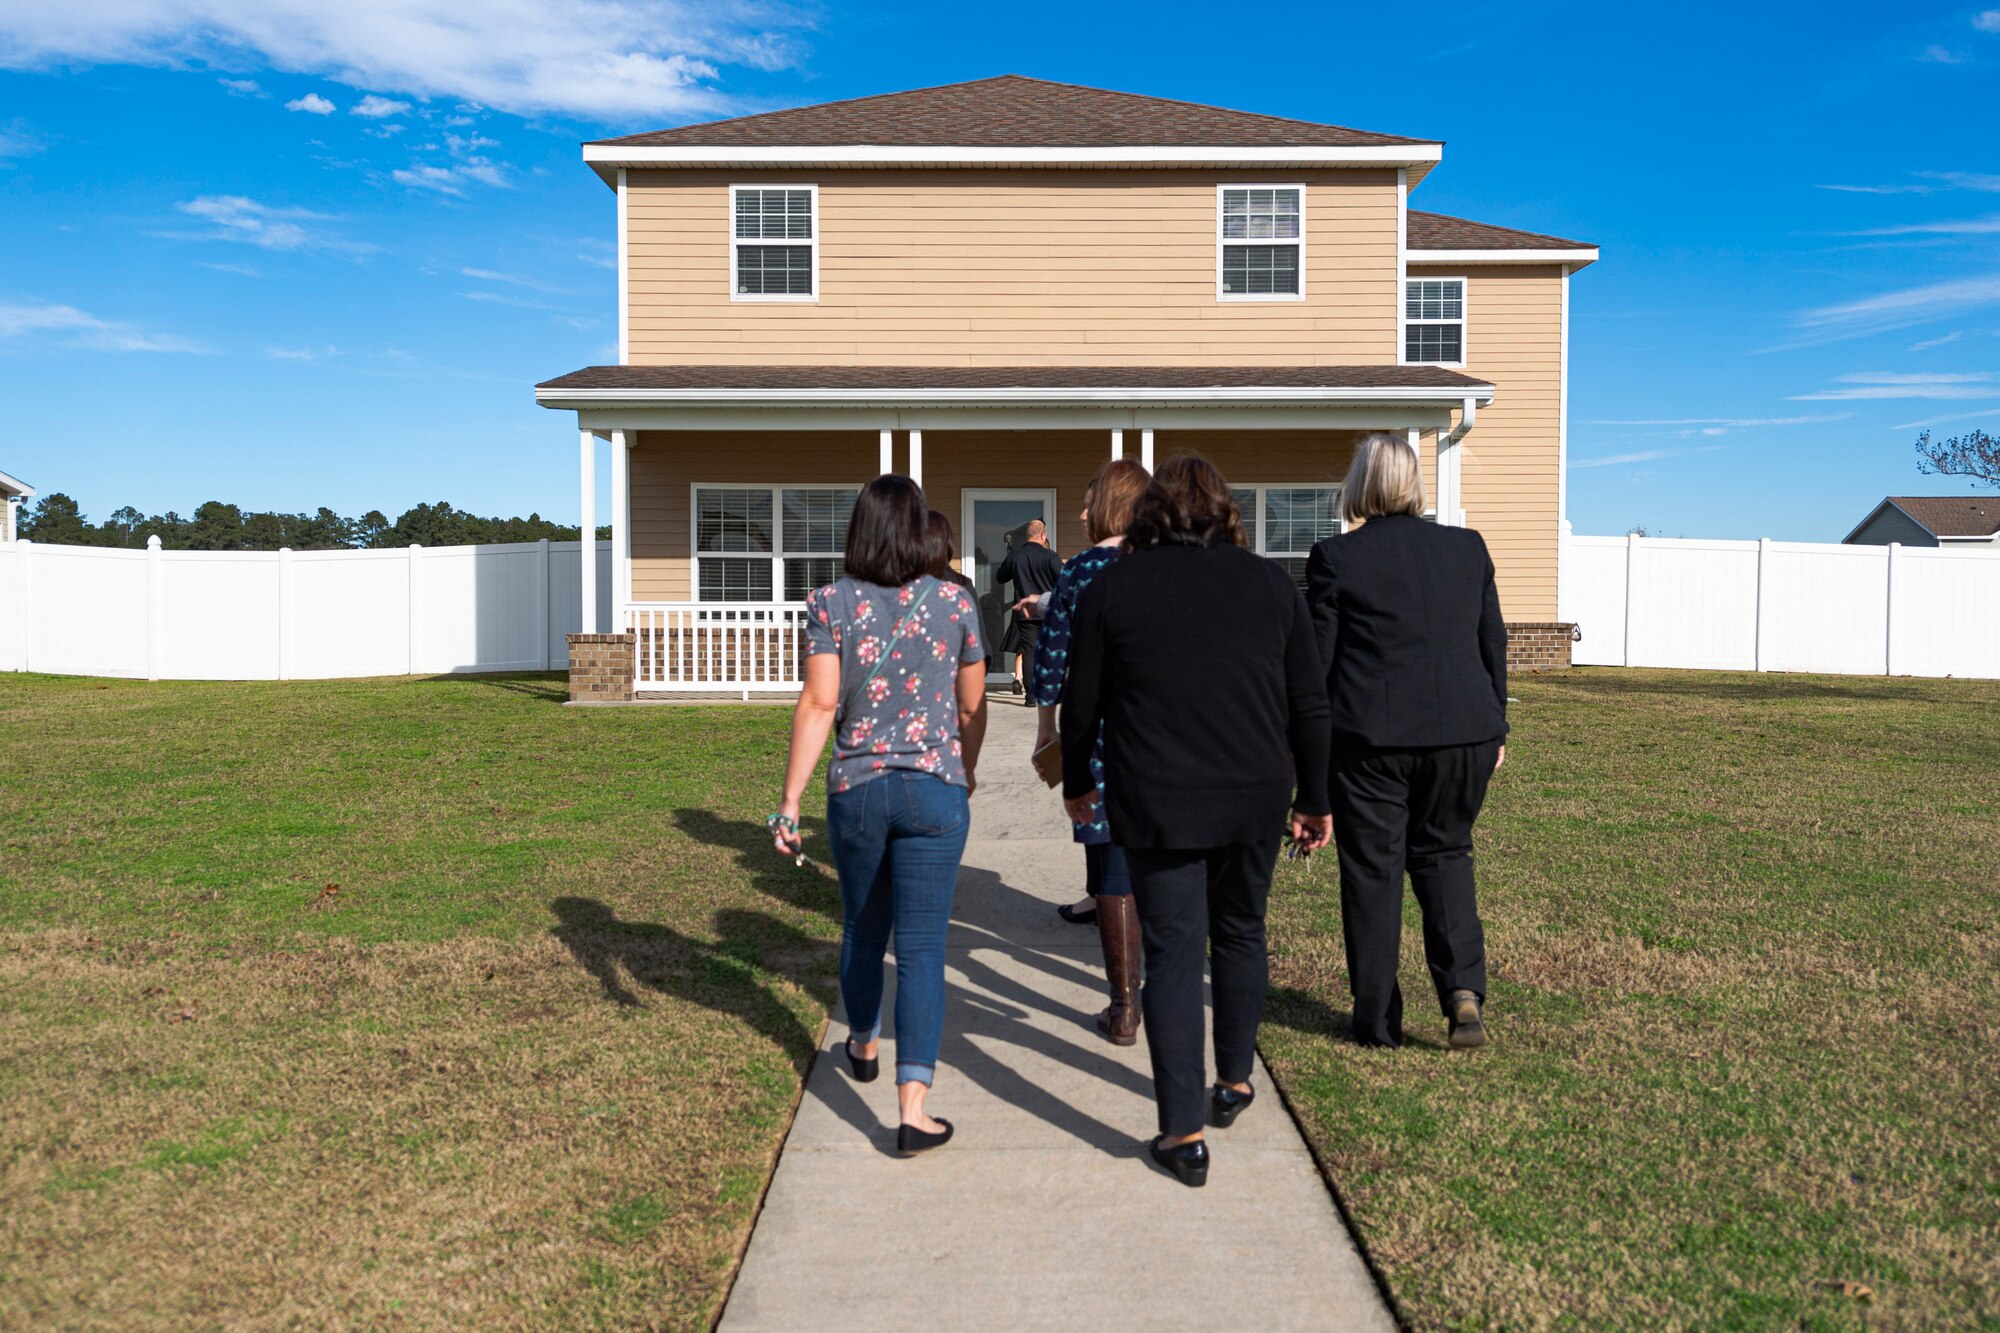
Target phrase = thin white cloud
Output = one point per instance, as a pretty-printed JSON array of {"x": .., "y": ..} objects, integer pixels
[
  {"x": 1944, "y": 180},
  {"x": 1728, "y": 423},
  {"x": 452, "y": 179},
  {"x": 1941, "y": 55},
  {"x": 311, "y": 104},
  {"x": 232, "y": 217},
  {"x": 17, "y": 140},
  {"x": 1642, "y": 456},
  {"x": 240, "y": 270},
  {"x": 305, "y": 354},
  {"x": 1873, "y": 385},
  {"x": 502, "y": 298},
  {"x": 1987, "y": 20},
  {"x": 242, "y": 87},
  {"x": 1986, "y": 226},
  {"x": 77, "y": 328},
  {"x": 1986, "y": 411},
  {"x": 375, "y": 107},
  {"x": 1898, "y": 309},
  {"x": 599, "y": 59},
  {"x": 1929, "y": 343},
  {"x": 514, "y": 279}
]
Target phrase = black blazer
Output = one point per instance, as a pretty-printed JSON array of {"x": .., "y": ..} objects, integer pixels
[
  {"x": 1199, "y": 663},
  {"x": 1409, "y": 627}
]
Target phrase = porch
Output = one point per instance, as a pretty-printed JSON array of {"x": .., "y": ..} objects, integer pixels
[{"x": 730, "y": 485}]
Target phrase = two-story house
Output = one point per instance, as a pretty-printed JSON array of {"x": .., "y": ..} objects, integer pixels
[{"x": 993, "y": 286}]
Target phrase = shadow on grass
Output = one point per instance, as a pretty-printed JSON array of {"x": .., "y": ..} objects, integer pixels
[
  {"x": 1616, "y": 683},
  {"x": 549, "y": 687},
  {"x": 809, "y": 887},
  {"x": 1310, "y": 1016}
]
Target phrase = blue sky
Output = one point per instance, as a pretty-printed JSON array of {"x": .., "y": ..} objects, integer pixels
[{"x": 289, "y": 254}]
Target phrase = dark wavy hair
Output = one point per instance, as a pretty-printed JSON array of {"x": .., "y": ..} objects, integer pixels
[
  {"x": 885, "y": 536},
  {"x": 1188, "y": 504},
  {"x": 940, "y": 545}
]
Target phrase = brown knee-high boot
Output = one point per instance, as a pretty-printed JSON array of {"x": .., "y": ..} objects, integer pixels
[{"x": 1118, "y": 929}]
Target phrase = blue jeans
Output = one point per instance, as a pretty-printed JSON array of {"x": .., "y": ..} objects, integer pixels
[{"x": 897, "y": 840}]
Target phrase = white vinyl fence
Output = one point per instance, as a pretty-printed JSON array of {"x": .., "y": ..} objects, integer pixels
[
  {"x": 292, "y": 615},
  {"x": 1783, "y": 606}
]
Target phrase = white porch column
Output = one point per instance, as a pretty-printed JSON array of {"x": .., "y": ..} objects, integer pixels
[
  {"x": 1117, "y": 444},
  {"x": 888, "y": 453},
  {"x": 587, "y": 533},
  {"x": 917, "y": 457},
  {"x": 621, "y": 528},
  {"x": 1146, "y": 448}
]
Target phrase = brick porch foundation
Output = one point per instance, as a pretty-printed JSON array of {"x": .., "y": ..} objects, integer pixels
[
  {"x": 1538, "y": 646},
  {"x": 600, "y": 668}
]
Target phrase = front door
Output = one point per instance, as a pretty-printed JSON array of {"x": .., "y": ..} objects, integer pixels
[{"x": 995, "y": 521}]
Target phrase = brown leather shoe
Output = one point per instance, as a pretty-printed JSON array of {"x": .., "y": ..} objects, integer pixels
[
  {"x": 1118, "y": 929},
  {"x": 1468, "y": 1029}
]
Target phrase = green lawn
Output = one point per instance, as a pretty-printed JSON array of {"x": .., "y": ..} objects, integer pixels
[{"x": 427, "y": 1003}]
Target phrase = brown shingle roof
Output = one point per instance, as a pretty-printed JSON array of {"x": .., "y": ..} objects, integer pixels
[
  {"x": 890, "y": 379},
  {"x": 1437, "y": 231},
  {"x": 1013, "y": 111},
  {"x": 1953, "y": 515}
]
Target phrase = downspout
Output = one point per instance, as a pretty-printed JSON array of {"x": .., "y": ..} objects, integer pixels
[{"x": 1468, "y": 415}]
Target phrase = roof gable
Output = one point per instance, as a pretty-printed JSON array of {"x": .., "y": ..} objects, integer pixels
[
  {"x": 1952, "y": 515},
  {"x": 1013, "y": 111}
]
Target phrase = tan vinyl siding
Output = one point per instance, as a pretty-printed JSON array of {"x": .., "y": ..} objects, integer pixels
[
  {"x": 1011, "y": 268},
  {"x": 1509, "y": 476}
]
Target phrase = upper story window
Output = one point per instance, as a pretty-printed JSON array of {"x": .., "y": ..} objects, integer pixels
[
  {"x": 1259, "y": 244},
  {"x": 1286, "y": 522},
  {"x": 750, "y": 542},
  {"x": 1434, "y": 321},
  {"x": 774, "y": 242}
]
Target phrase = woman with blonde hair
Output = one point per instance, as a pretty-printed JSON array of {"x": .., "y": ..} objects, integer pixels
[
  {"x": 1107, "y": 512},
  {"x": 1408, "y": 622}
]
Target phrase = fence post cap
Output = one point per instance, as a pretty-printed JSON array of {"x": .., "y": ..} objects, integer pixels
[{"x": 153, "y": 542}]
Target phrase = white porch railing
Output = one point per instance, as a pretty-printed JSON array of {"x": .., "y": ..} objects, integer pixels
[{"x": 719, "y": 646}]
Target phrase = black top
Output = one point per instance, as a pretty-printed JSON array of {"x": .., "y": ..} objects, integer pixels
[
  {"x": 1200, "y": 663},
  {"x": 1409, "y": 627},
  {"x": 1032, "y": 568}
]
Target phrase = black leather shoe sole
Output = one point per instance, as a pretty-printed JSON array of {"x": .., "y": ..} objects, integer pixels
[
  {"x": 865, "y": 1071},
  {"x": 1188, "y": 1163},
  {"x": 1226, "y": 1103},
  {"x": 910, "y": 1140}
]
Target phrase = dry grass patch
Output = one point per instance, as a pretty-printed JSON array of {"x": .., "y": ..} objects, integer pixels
[{"x": 1742, "y": 934}]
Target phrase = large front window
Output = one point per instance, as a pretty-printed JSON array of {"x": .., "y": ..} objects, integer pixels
[
  {"x": 1284, "y": 523},
  {"x": 1260, "y": 231},
  {"x": 774, "y": 242},
  {"x": 753, "y": 543}
]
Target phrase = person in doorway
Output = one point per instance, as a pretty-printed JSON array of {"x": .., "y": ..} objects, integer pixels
[
  {"x": 1207, "y": 737},
  {"x": 1033, "y": 570},
  {"x": 896, "y": 672},
  {"x": 1408, "y": 624},
  {"x": 1107, "y": 512}
]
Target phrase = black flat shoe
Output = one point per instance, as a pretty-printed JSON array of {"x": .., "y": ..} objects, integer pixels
[
  {"x": 1226, "y": 1103},
  {"x": 1187, "y": 1163},
  {"x": 910, "y": 1140},
  {"x": 1088, "y": 917},
  {"x": 865, "y": 1071}
]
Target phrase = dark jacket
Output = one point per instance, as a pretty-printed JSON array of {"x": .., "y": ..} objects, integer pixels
[
  {"x": 1408, "y": 624},
  {"x": 1200, "y": 663},
  {"x": 1032, "y": 568}
]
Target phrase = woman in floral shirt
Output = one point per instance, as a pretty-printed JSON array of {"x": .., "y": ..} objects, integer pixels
[
  {"x": 896, "y": 673},
  {"x": 1108, "y": 506}
]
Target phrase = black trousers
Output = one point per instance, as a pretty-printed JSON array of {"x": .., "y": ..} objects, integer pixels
[
  {"x": 1397, "y": 811},
  {"x": 1187, "y": 899}
]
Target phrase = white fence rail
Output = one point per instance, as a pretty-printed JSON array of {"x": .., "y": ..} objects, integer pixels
[
  {"x": 718, "y": 645},
  {"x": 292, "y": 615},
  {"x": 1783, "y": 606}
]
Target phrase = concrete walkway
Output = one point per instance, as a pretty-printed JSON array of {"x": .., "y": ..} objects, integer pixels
[{"x": 1044, "y": 1212}]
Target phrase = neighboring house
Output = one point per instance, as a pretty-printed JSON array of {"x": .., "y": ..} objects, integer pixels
[
  {"x": 13, "y": 492},
  {"x": 1930, "y": 520},
  {"x": 993, "y": 286}
]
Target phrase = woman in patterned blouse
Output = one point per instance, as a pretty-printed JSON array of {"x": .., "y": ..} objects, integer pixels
[{"x": 1107, "y": 512}]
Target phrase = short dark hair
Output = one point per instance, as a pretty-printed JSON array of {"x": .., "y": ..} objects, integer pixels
[
  {"x": 1188, "y": 504},
  {"x": 940, "y": 545},
  {"x": 885, "y": 536}
]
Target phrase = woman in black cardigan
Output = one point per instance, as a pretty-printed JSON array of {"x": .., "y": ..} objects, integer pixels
[
  {"x": 1409, "y": 627},
  {"x": 1197, "y": 656}
]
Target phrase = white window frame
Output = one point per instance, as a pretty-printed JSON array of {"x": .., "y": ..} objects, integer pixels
[
  {"x": 1259, "y": 537},
  {"x": 737, "y": 242},
  {"x": 778, "y": 554},
  {"x": 1464, "y": 320},
  {"x": 1300, "y": 294}
]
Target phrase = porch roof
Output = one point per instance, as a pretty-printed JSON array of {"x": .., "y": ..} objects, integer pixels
[{"x": 791, "y": 386}]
